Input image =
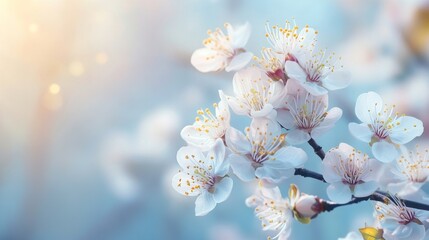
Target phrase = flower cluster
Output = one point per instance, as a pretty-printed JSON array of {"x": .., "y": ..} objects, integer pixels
[{"x": 285, "y": 97}]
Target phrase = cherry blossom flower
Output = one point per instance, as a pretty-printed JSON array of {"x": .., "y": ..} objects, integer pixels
[
  {"x": 272, "y": 63},
  {"x": 306, "y": 116},
  {"x": 317, "y": 73},
  {"x": 382, "y": 127},
  {"x": 349, "y": 172},
  {"x": 304, "y": 206},
  {"x": 286, "y": 44},
  {"x": 256, "y": 95},
  {"x": 208, "y": 127},
  {"x": 262, "y": 152},
  {"x": 411, "y": 171},
  {"x": 400, "y": 222},
  {"x": 288, "y": 41},
  {"x": 273, "y": 211},
  {"x": 203, "y": 175},
  {"x": 223, "y": 51}
]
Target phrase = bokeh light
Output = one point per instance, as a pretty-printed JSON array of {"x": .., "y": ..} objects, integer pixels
[{"x": 94, "y": 95}]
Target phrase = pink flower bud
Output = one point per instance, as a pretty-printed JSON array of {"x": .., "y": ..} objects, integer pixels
[
  {"x": 308, "y": 206},
  {"x": 277, "y": 75}
]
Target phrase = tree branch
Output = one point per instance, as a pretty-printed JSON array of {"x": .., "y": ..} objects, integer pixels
[
  {"x": 329, "y": 206},
  {"x": 309, "y": 174},
  {"x": 317, "y": 149},
  {"x": 379, "y": 196}
]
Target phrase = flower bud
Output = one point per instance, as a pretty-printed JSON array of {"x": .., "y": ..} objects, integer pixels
[{"x": 308, "y": 206}]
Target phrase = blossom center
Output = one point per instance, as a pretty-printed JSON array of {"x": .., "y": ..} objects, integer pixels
[
  {"x": 265, "y": 149},
  {"x": 210, "y": 184},
  {"x": 220, "y": 42},
  {"x": 318, "y": 66},
  {"x": 383, "y": 121},
  {"x": 397, "y": 211},
  {"x": 415, "y": 167},
  {"x": 208, "y": 123},
  {"x": 353, "y": 169},
  {"x": 308, "y": 111}
]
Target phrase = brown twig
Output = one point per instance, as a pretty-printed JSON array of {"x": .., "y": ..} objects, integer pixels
[{"x": 379, "y": 196}]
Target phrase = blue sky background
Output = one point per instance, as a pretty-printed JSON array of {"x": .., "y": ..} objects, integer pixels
[{"x": 94, "y": 94}]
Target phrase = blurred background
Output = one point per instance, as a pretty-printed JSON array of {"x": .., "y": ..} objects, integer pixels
[{"x": 94, "y": 93}]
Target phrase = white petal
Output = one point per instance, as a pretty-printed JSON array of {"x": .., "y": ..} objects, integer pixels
[
  {"x": 407, "y": 130},
  {"x": 239, "y": 61},
  {"x": 244, "y": 79},
  {"x": 333, "y": 115},
  {"x": 237, "y": 107},
  {"x": 307, "y": 37},
  {"x": 271, "y": 193},
  {"x": 297, "y": 136},
  {"x": 217, "y": 155},
  {"x": 242, "y": 167},
  {"x": 239, "y": 35},
  {"x": 287, "y": 157},
  {"x": 389, "y": 224},
  {"x": 411, "y": 230},
  {"x": 189, "y": 156},
  {"x": 365, "y": 189},
  {"x": 207, "y": 60},
  {"x": 337, "y": 80},
  {"x": 267, "y": 111},
  {"x": 418, "y": 231},
  {"x": 345, "y": 149},
  {"x": 376, "y": 167},
  {"x": 222, "y": 110},
  {"x": 384, "y": 151},
  {"x": 327, "y": 124},
  {"x": 361, "y": 131},
  {"x": 294, "y": 71},
  {"x": 328, "y": 168},
  {"x": 293, "y": 87},
  {"x": 277, "y": 94},
  {"x": 197, "y": 138},
  {"x": 237, "y": 141},
  {"x": 260, "y": 126},
  {"x": 285, "y": 118},
  {"x": 183, "y": 184},
  {"x": 204, "y": 203},
  {"x": 367, "y": 105},
  {"x": 339, "y": 192},
  {"x": 286, "y": 232},
  {"x": 222, "y": 190},
  {"x": 412, "y": 190},
  {"x": 274, "y": 174},
  {"x": 314, "y": 89}
]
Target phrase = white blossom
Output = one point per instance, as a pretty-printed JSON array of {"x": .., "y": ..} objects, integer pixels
[
  {"x": 400, "y": 222},
  {"x": 208, "y": 127},
  {"x": 203, "y": 175},
  {"x": 256, "y": 95},
  {"x": 262, "y": 153},
  {"x": 382, "y": 127},
  {"x": 349, "y": 173},
  {"x": 223, "y": 51},
  {"x": 273, "y": 211},
  {"x": 288, "y": 41},
  {"x": 410, "y": 171},
  {"x": 305, "y": 115},
  {"x": 272, "y": 63},
  {"x": 317, "y": 73}
]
